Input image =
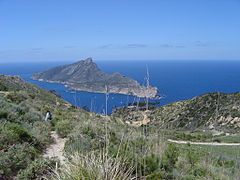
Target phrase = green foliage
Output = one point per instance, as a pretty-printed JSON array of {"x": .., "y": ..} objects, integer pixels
[
  {"x": 170, "y": 158},
  {"x": 235, "y": 138},
  {"x": 157, "y": 175},
  {"x": 95, "y": 165},
  {"x": 193, "y": 136},
  {"x": 3, "y": 114},
  {"x": 199, "y": 112},
  {"x": 23, "y": 133},
  {"x": 32, "y": 116},
  {"x": 16, "y": 157},
  {"x": 192, "y": 157},
  {"x": 16, "y": 97},
  {"x": 199, "y": 171},
  {"x": 152, "y": 164},
  {"x": 37, "y": 169},
  {"x": 64, "y": 127},
  {"x": 224, "y": 162},
  {"x": 85, "y": 137},
  {"x": 42, "y": 132},
  {"x": 12, "y": 133},
  {"x": 3, "y": 87}
]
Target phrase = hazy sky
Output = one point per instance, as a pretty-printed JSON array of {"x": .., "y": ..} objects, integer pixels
[{"x": 42, "y": 30}]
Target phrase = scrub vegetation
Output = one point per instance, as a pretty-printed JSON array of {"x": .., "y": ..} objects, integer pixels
[{"x": 101, "y": 147}]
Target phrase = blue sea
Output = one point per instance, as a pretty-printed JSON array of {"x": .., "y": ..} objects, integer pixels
[{"x": 176, "y": 80}]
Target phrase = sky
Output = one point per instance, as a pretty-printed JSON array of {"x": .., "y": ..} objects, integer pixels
[{"x": 62, "y": 30}]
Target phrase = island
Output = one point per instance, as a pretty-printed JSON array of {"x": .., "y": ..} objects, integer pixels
[{"x": 85, "y": 75}]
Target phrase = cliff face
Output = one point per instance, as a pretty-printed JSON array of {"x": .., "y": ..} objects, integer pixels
[{"x": 86, "y": 76}]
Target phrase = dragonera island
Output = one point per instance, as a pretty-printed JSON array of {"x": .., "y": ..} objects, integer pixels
[{"x": 85, "y": 75}]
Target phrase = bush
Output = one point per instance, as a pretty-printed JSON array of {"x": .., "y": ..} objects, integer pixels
[
  {"x": 64, "y": 127},
  {"x": 199, "y": 171},
  {"x": 170, "y": 158},
  {"x": 192, "y": 157},
  {"x": 16, "y": 157},
  {"x": 83, "y": 144},
  {"x": 152, "y": 164},
  {"x": 3, "y": 87},
  {"x": 224, "y": 162},
  {"x": 42, "y": 132},
  {"x": 16, "y": 97},
  {"x": 95, "y": 166},
  {"x": 12, "y": 133},
  {"x": 157, "y": 175},
  {"x": 3, "y": 114},
  {"x": 32, "y": 116},
  {"x": 38, "y": 169}
]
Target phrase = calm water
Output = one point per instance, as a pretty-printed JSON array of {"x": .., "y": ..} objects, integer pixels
[{"x": 176, "y": 80}]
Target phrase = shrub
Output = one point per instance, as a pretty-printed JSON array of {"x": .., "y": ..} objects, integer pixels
[
  {"x": 38, "y": 169},
  {"x": 157, "y": 175},
  {"x": 3, "y": 114},
  {"x": 16, "y": 97},
  {"x": 42, "y": 132},
  {"x": 3, "y": 87},
  {"x": 199, "y": 171},
  {"x": 222, "y": 161},
  {"x": 83, "y": 144},
  {"x": 32, "y": 116},
  {"x": 64, "y": 127},
  {"x": 192, "y": 157},
  {"x": 152, "y": 164},
  {"x": 94, "y": 166},
  {"x": 12, "y": 133},
  {"x": 170, "y": 158},
  {"x": 16, "y": 157},
  {"x": 87, "y": 136}
]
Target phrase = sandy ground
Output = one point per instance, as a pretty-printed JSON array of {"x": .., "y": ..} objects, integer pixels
[{"x": 55, "y": 150}]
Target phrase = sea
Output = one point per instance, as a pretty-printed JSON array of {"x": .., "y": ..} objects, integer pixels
[{"x": 176, "y": 80}]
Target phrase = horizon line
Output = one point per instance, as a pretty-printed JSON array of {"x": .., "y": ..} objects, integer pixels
[{"x": 52, "y": 61}]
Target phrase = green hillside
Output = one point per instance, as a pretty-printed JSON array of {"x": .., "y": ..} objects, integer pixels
[
  {"x": 105, "y": 147},
  {"x": 217, "y": 111},
  {"x": 23, "y": 132}
]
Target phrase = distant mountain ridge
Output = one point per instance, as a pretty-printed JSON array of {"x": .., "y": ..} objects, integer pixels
[{"x": 85, "y": 75}]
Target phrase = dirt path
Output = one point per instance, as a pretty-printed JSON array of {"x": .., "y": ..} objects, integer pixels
[
  {"x": 204, "y": 143},
  {"x": 55, "y": 150}
]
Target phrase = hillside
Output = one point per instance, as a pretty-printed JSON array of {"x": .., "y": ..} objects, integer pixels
[
  {"x": 24, "y": 134},
  {"x": 92, "y": 146},
  {"x": 212, "y": 111},
  {"x": 217, "y": 111},
  {"x": 86, "y": 76}
]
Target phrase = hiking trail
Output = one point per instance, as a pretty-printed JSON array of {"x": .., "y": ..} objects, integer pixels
[{"x": 56, "y": 149}]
